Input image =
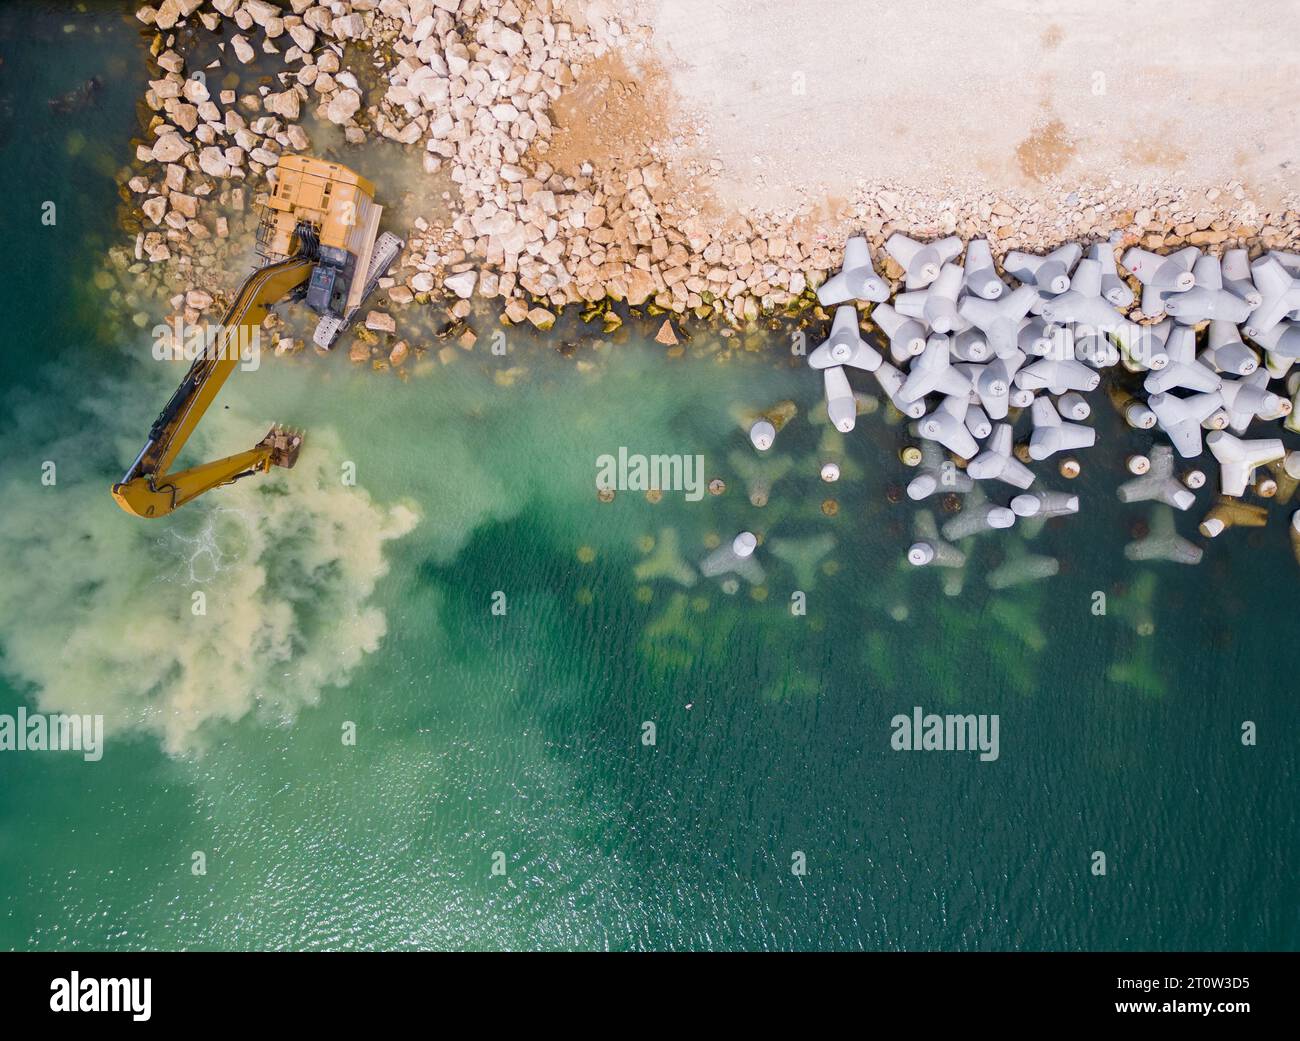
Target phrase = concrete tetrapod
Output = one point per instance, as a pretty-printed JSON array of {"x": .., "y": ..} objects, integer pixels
[
  {"x": 1049, "y": 274},
  {"x": 1238, "y": 458},
  {"x": 932, "y": 373},
  {"x": 975, "y": 518},
  {"x": 841, "y": 406},
  {"x": 998, "y": 463},
  {"x": 1184, "y": 369},
  {"x": 1248, "y": 397},
  {"x": 845, "y": 345},
  {"x": 1181, "y": 418},
  {"x": 999, "y": 320},
  {"x": 1113, "y": 287},
  {"x": 936, "y": 305},
  {"x": 1237, "y": 277},
  {"x": 921, "y": 261},
  {"x": 1279, "y": 292},
  {"x": 947, "y": 425},
  {"x": 1208, "y": 298},
  {"x": 735, "y": 557},
  {"x": 1159, "y": 483},
  {"x": 981, "y": 278},
  {"x": 1225, "y": 351},
  {"x": 1163, "y": 542},
  {"x": 1044, "y": 504},
  {"x": 906, "y": 335},
  {"x": 1052, "y": 434},
  {"x": 937, "y": 474},
  {"x": 857, "y": 278}
]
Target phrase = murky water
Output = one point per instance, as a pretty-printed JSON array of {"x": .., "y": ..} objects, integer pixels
[{"x": 518, "y": 738}]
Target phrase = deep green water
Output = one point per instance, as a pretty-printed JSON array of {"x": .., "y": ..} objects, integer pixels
[{"x": 521, "y": 733}]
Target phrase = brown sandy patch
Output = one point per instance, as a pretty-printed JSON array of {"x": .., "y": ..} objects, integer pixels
[
  {"x": 1156, "y": 152},
  {"x": 1046, "y": 151},
  {"x": 610, "y": 116}
]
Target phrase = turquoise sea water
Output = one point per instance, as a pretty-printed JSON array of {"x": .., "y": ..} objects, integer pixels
[{"x": 521, "y": 734}]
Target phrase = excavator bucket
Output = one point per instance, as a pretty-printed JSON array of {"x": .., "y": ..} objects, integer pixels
[{"x": 283, "y": 446}]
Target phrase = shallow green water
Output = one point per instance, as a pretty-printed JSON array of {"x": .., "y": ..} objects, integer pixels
[{"x": 521, "y": 734}]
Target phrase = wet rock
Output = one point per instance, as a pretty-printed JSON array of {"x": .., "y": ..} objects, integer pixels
[
  {"x": 170, "y": 147},
  {"x": 462, "y": 283},
  {"x": 243, "y": 50},
  {"x": 666, "y": 335},
  {"x": 377, "y": 321},
  {"x": 343, "y": 106}
]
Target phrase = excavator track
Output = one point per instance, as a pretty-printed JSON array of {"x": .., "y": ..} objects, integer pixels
[{"x": 388, "y": 247}]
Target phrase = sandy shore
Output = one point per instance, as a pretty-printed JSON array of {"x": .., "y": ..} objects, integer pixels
[{"x": 809, "y": 103}]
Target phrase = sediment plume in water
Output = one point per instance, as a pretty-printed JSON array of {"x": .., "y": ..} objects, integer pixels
[{"x": 254, "y": 602}]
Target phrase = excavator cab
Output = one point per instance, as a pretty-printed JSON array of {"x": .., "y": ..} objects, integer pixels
[{"x": 319, "y": 228}]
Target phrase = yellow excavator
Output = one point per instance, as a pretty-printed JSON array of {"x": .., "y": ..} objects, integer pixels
[{"x": 318, "y": 240}]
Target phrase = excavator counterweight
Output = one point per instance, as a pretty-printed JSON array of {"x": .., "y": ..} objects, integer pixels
[{"x": 320, "y": 227}]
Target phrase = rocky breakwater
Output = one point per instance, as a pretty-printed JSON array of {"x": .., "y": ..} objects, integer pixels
[{"x": 571, "y": 181}]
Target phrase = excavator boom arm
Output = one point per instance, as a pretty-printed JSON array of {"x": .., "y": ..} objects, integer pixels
[{"x": 148, "y": 489}]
